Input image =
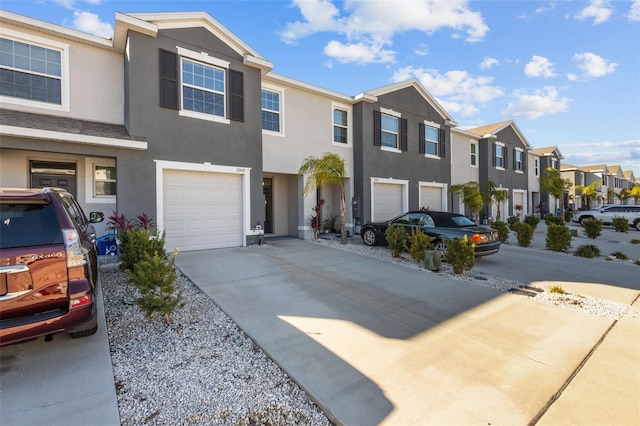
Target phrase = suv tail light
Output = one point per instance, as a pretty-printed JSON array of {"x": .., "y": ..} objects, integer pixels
[{"x": 75, "y": 254}]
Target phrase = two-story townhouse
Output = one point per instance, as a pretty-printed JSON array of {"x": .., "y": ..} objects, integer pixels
[
  {"x": 401, "y": 144},
  {"x": 533, "y": 174},
  {"x": 465, "y": 165},
  {"x": 599, "y": 173},
  {"x": 629, "y": 182},
  {"x": 301, "y": 120},
  {"x": 617, "y": 181},
  {"x": 549, "y": 156},
  {"x": 62, "y": 111},
  {"x": 193, "y": 89},
  {"x": 578, "y": 178},
  {"x": 503, "y": 159}
]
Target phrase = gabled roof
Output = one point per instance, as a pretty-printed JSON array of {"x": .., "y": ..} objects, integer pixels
[
  {"x": 150, "y": 23},
  {"x": 491, "y": 130},
  {"x": 615, "y": 170},
  {"x": 629, "y": 175},
  {"x": 596, "y": 168},
  {"x": 371, "y": 95},
  {"x": 568, "y": 167},
  {"x": 548, "y": 150}
]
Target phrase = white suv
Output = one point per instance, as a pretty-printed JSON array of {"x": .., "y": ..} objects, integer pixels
[{"x": 609, "y": 212}]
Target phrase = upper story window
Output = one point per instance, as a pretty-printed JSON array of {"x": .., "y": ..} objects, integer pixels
[
  {"x": 554, "y": 163},
  {"x": 517, "y": 160},
  {"x": 203, "y": 88},
  {"x": 32, "y": 71},
  {"x": 340, "y": 126},
  {"x": 271, "y": 112},
  {"x": 474, "y": 153},
  {"x": 499, "y": 155},
  {"x": 389, "y": 131},
  {"x": 431, "y": 140},
  {"x": 536, "y": 166}
]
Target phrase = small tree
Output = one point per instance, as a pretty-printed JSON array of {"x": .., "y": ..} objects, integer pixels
[
  {"x": 555, "y": 185},
  {"x": 419, "y": 243},
  {"x": 461, "y": 254},
  {"x": 495, "y": 195},
  {"x": 329, "y": 169},
  {"x": 396, "y": 239},
  {"x": 471, "y": 197},
  {"x": 588, "y": 193}
]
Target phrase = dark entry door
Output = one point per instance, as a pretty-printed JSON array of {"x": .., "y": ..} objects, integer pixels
[
  {"x": 49, "y": 173},
  {"x": 267, "y": 191}
]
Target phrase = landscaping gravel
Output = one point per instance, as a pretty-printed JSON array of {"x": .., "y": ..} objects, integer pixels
[{"x": 202, "y": 369}]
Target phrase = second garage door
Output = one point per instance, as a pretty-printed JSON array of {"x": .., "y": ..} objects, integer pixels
[
  {"x": 202, "y": 210},
  {"x": 431, "y": 197}
]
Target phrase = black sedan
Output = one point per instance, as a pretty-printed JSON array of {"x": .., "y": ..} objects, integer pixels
[{"x": 442, "y": 226}]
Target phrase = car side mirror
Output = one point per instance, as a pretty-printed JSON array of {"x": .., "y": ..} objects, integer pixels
[{"x": 96, "y": 217}]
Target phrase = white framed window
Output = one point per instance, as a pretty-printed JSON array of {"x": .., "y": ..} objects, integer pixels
[
  {"x": 474, "y": 154},
  {"x": 431, "y": 139},
  {"x": 272, "y": 108},
  {"x": 517, "y": 160},
  {"x": 101, "y": 180},
  {"x": 341, "y": 126},
  {"x": 554, "y": 163},
  {"x": 203, "y": 88},
  {"x": 499, "y": 156},
  {"x": 33, "y": 71},
  {"x": 536, "y": 166},
  {"x": 390, "y": 131}
]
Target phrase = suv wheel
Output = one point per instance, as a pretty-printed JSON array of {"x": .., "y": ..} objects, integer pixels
[
  {"x": 583, "y": 218},
  {"x": 636, "y": 224}
]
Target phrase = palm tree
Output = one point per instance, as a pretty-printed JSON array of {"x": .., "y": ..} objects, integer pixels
[
  {"x": 635, "y": 193},
  {"x": 326, "y": 170},
  {"x": 555, "y": 185},
  {"x": 472, "y": 197},
  {"x": 496, "y": 195},
  {"x": 588, "y": 192}
]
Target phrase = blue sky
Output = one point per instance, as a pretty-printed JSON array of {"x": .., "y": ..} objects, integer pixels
[{"x": 567, "y": 72}]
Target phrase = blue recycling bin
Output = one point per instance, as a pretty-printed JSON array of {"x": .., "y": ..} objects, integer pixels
[{"x": 107, "y": 245}]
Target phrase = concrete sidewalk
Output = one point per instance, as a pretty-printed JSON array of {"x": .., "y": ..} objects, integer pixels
[{"x": 377, "y": 343}]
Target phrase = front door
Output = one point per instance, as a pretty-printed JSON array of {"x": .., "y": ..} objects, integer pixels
[
  {"x": 53, "y": 174},
  {"x": 267, "y": 191}
]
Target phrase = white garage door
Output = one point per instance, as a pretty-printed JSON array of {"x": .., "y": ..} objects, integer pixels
[
  {"x": 431, "y": 197},
  {"x": 387, "y": 201},
  {"x": 202, "y": 210}
]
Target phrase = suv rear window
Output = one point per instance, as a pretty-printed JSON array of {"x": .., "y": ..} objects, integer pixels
[{"x": 26, "y": 225}]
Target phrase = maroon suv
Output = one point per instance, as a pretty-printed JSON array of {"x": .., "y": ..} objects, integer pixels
[{"x": 48, "y": 265}]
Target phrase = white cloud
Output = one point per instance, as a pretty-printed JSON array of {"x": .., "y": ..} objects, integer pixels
[
  {"x": 457, "y": 91},
  {"x": 534, "y": 105},
  {"x": 67, "y": 4},
  {"x": 634, "y": 11},
  {"x": 599, "y": 10},
  {"x": 90, "y": 23},
  {"x": 362, "y": 53},
  {"x": 421, "y": 50},
  {"x": 376, "y": 22},
  {"x": 488, "y": 63},
  {"x": 593, "y": 65},
  {"x": 623, "y": 153},
  {"x": 539, "y": 67}
]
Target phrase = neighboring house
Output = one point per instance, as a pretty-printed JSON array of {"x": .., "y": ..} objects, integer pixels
[
  {"x": 301, "y": 120},
  {"x": 465, "y": 165},
  {"x": 401, "y": 149},
  {"x": 62, "y": 109},
  {"x": 577, "y": 177},
  {"x": 533, "y": 175},
  {"x": 598, "y": 172},
  {"x": 550, "y": 156},
  {"x": 503, "y": 160},
  {"x": 617, "y": 183}
]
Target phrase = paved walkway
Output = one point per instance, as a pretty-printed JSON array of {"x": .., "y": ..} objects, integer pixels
[{"x": 376, "y": 343}]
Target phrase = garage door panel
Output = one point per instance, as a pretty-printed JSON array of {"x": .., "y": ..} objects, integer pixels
[
  {"x": 387, "y": 199},
  {"x": 431, "y": 197},
  {"x": 202, "y": 210}
]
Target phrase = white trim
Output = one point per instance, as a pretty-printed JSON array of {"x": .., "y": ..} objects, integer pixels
[
  {"x": 202, "y": 116},
  {"x": 432, "y": 124},
  {"x": 89, "y": 179},
  {"x": 525, "y": 205},
  {"x": 202, "y": 57},
  {"x": 24, "y": 132},
  {"x": 197, "y": 114},
  {"x": 390, "y": 112},
  {"x": 405, "y": 192},
  {"x": 349, "y": 110},
  {"x": 390, "y": 149},
  {"x": 162, "y": 165},
  {"x": 474, "y": 142},
  {"x": 281, "y": 90},
  {"x": 442, "y": 186},
  {"x": 65, "y": 90}
]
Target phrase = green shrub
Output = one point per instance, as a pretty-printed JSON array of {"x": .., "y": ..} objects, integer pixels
[
  {"x": 556, "y": 288},
  {"x": 461, "y": 254},
  {"x": 592, "y": 227},
  {"x": 558, "y": 237},
  {"x": 396, "y": 239},
  {"x": 503, "y": 230},
  {"x": 634, "y": 241},
  {"x": 551, "y": 219},
  {"x": 418, "y": 244},
  {"x": 619, "y": 255},
  {"x": 136, "y": 243},
  {"x": 620, "y": 224},
  {"x": 524, "y": 233},
  {"x": 589, "y": 251},
  {"x": 154, "y": 278},
  {"x": 512, "y": 220},
  {"x": 568, "y": 215},
  {"x": 532, "y": 221}
]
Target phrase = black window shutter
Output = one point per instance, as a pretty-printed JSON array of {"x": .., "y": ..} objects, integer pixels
[
  {"x": 514, "y": 159},
  {"x": 403, "y": 134},
  {"x": 524, "y": 161},
  {"x": 441, "y": 143},
  {"x": 493, "y": 157},
  {"x": 421, "y": 149},
  {"x": 236, "y": 95},
  {"x": 168, "y": 79},
  {"x": 505, "y": 163},
  {"x": 377, "y": 128}
]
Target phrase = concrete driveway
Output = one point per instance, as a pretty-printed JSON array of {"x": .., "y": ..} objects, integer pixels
[{"x": 378, "y": 343}]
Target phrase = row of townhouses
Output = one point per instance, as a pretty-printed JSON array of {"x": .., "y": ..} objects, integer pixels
[{"x": 177, "y": 118}]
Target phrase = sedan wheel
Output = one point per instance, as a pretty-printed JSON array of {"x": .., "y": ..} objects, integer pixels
[
  {"x": 369, "y": 237},
  {"x": 637, "y": 225},
  {"x": 441, "y": 246}
]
